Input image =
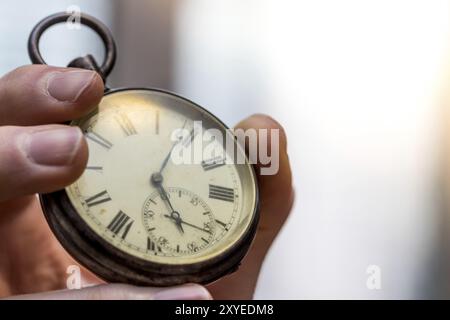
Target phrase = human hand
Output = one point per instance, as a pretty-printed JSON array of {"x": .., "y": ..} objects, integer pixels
[
  {"x": 39, "y": 157},
  {"x": 276, "y": 198}
]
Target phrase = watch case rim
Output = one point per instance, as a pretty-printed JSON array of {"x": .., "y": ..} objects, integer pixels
[{"x": 114, "y": 265}]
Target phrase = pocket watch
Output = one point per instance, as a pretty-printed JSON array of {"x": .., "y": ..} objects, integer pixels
[{"x": 162, "y": 200}]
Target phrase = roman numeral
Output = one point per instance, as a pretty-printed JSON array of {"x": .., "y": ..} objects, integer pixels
[
  {"x": 97, "y": 199},
  {"x": 213, "y": 163},
  {"x": 223, "y": 224},
  {"x": 206, "y": 241},
  {"x": 126, "y": 124},
  {"x": 221, "y": 193},
  {"x": 120, "y": 222},
  {"x": 95, "y": 137},
  {"x": 152, "y": 246}
]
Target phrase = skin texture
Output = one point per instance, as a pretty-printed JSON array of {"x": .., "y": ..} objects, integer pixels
[{"x": 32, "y": 262}]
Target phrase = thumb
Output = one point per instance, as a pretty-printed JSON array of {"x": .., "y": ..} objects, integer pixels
[
  {"x": 39, "y": 159},
  {"x": 276, "y": 198},
  {"x": 123, "y": 292}
]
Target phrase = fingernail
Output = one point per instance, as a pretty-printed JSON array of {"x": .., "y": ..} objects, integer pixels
[
  {"x": 53, "y": 147},
  {"x": 187, "y": 292},
  {"x": 68, "y": 86}
]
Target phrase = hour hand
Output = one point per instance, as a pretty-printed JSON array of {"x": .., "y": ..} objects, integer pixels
[
  {"x": 179, "y": 225},
  {"x": 176, "y": 217},
  {"x": 166, "y": 159}
]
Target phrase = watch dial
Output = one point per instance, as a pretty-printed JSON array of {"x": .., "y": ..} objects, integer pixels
[{"x": 160, "y": 184}]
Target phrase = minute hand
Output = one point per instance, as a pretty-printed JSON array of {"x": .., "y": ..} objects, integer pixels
[{"x": 166, "y": 159}]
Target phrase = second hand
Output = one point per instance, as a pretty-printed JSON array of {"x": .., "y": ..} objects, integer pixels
[{"x": 187, "y": 223}]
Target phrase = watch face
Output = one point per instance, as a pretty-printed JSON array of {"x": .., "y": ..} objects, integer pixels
[{"x": 163, "y": 183}]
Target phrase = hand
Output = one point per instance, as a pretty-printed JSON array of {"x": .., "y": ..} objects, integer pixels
[
  {"x": 37, "y": 157},
  {"x": 157, "y": 180},
  {"x": 31, "y": 259},
  {"x": 276, "y": 199}
]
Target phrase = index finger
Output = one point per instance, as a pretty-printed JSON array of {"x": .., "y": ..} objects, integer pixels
[{"x": 39, "y": 94}]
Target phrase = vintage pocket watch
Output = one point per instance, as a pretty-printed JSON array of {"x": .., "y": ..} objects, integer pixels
[{"x": 136, "y": 215}]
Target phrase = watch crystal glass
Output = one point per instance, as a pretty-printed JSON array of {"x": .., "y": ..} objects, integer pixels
[{"x": 137, "y": 198}]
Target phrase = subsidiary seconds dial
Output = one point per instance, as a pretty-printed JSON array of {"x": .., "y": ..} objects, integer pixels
[{"x": 178, "y": 222}]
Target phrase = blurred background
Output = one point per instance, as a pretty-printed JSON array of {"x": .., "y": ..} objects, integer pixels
[{"x": 357, "y": 86}]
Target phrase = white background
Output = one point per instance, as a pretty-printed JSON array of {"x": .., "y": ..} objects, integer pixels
[{"x": 356, "y": 85}]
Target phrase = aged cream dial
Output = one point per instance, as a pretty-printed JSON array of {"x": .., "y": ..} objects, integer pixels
[{"x": 137, "y": 198}]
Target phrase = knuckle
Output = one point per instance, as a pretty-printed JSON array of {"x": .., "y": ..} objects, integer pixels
[
  {"x": 267, "y": 121},
  {"x": 11, "y": 152},
  {"x": 18, "y": 84}
]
